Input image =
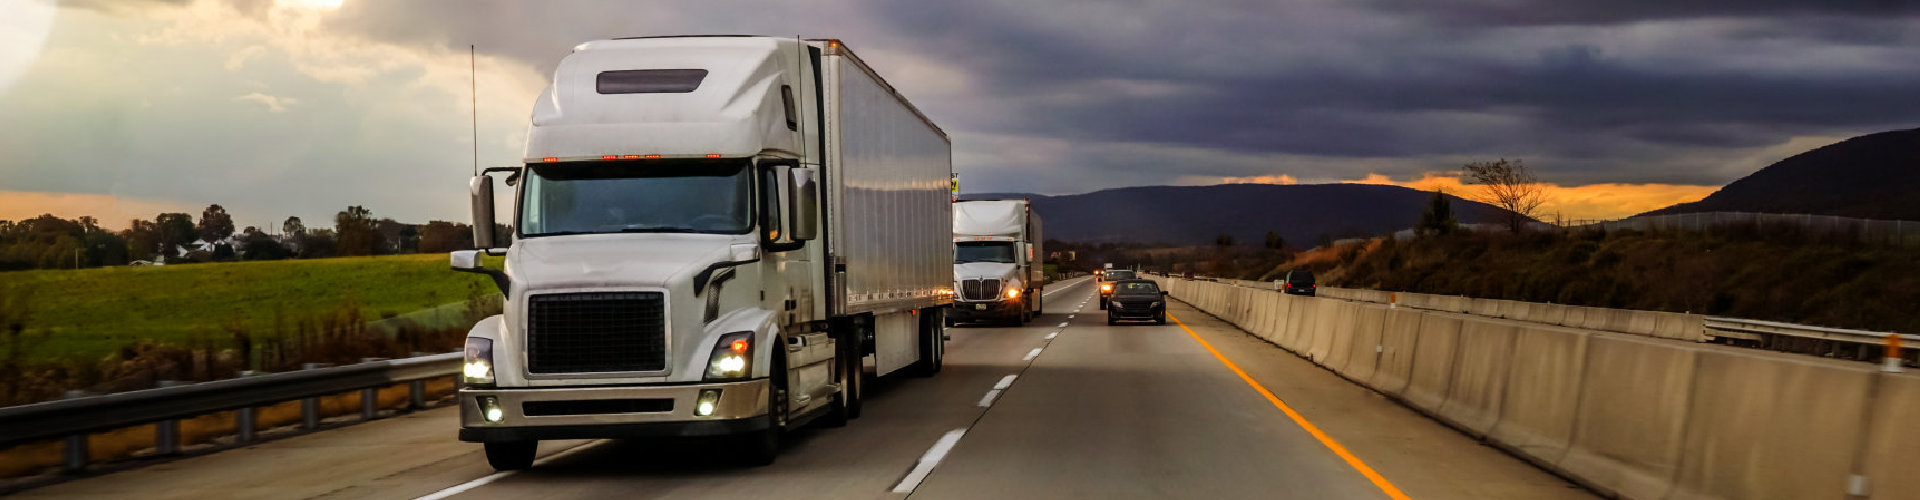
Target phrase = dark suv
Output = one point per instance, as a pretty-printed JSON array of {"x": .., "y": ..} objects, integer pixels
[
  {"x": 1107, "y": 283},
  {"x": 1137, "y": 300},
  {"x": 1298, "y": 282}
]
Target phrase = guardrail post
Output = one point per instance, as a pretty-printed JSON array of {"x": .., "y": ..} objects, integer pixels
[
  {"x": 243, "y": 421},
  {"x": 1893, "y": 357},
  {"x": 417, "y": 390},
  {"x": 166, "y": 433},
  {"x": 310, "y": 407},
  {"x": 74, "y": 459},
  {"x": 370, "y": 397}
]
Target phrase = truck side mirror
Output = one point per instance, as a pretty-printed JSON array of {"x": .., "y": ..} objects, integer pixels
[
  {"x": 803, "y": 204},
  {"x": 482, "y": 190}
]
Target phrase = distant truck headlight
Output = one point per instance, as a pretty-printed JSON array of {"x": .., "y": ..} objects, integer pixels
[
  {"x": 731, "y": 356},
  {"x": 478, "y": 369}
]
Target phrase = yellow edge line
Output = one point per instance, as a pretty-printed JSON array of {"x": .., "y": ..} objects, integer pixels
[{"x": 1378, "y": 480}]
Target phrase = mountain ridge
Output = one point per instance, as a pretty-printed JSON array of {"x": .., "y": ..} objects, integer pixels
[{"x": 1193, "y": 215}]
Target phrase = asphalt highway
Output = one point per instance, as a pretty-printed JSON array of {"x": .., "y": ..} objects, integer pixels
[{"x": 1063, "y": 407}]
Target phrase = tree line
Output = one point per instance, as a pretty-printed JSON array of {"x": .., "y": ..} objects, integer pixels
[{"x": 49, "y": 242}]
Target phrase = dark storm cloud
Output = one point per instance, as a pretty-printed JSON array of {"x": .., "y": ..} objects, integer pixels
[
  {"x": 1314, "y": 79},
  {"x": 1542, "y": 12},
  {"x": 1591, "y": 91}
]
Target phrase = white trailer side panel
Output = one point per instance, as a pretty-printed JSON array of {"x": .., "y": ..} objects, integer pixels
[{"x": 888, "y": 170}]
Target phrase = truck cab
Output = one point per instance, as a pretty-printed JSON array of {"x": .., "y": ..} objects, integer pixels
[{"x": 997, "y": 268}]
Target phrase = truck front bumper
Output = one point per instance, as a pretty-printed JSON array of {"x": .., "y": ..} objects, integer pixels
[
  {"x": 972, "y": 311},
  {"x": 612, "y": 412}
]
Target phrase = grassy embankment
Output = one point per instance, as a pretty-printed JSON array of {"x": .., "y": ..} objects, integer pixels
[
  {"x": 119, "y": 328},
  {"x": 1778, "y": 274}
]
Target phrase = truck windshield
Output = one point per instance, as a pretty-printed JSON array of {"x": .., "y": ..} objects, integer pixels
[
  {"x": 637, "y": 197},
  {"x": 983, "y": 251}
]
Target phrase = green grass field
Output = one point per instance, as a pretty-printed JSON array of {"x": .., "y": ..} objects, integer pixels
[{"x": 89, "y": 313}]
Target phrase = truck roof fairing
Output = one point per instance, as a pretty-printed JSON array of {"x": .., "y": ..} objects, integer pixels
[{"x": 735, "y": 111}]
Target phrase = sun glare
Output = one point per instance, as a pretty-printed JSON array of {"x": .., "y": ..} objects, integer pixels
[
  {"x": 22, "y": 32},
  {"x": 310, "y": 4}
]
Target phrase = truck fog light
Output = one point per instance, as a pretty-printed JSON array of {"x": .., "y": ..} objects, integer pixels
[
  {"x": 709, "y": 399},
  {"x": 490, "y": 408}
]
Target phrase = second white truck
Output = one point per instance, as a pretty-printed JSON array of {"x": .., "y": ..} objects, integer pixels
[{"x": 998, "y": 268}]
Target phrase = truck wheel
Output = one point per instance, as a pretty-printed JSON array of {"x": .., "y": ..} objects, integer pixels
[
  {"x": 847, "y": 400},
  {"x": 760, "y": 448},
  {"x": 1103, "y": 303},
  {"x": 511, "y": 455},
  {"x": 932, "y": 339},
  {"x": 1161, "y": 319}
]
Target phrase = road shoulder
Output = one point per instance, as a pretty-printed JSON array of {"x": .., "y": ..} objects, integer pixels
[{"x": 1422, "y": 457}]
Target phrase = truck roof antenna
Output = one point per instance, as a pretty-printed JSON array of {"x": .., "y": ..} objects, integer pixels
[{"x": 473, "y": 94}]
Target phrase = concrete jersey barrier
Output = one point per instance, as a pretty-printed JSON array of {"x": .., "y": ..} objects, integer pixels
[{"x": 1625, "y": 402}]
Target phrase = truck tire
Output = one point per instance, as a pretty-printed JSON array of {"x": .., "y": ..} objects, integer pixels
[
  {"x": 1103, "y": 303},
  {"x": 760, "y": 448},
  {"x": 511, "y": 455},
  {"x": 932, "y": 345},
  {"x": 846, "y": 402}
]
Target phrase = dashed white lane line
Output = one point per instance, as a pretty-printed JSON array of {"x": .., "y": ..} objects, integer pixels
[
  {"x": 1050, "y": 336},
  {"x": 463, "y": 487},
  {"x": 1063, "y": 324},
  {"x": 1035, "y": 353},
  {"x": 928, "y": 461},
  {"x": 1005, "y": 382},
  {"x": 987, "y": 402},
  {"x": 1070, "y": 316}
]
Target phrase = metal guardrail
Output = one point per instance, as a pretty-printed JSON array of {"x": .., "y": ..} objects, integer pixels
[
  {"x": 1748, "y": 329},
  {"x": 73, "y": 419}
]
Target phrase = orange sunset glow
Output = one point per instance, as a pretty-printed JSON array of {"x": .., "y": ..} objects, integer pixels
[{"x": 1568, "y": 203}]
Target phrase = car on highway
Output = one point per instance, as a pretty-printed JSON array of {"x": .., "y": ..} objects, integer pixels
[
  {"x": 1137, "y": 300},
  {"x": 1298, "y": 282},
  {"x": 1107, "y": 280}
]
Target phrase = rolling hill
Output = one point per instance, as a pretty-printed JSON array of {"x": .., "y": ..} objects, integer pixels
[
  {"x": 1872, "y": 176},
  {"x": 1195, "y": 215}
]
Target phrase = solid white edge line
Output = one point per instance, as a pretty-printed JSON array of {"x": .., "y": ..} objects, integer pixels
[
  {"x": 1005, "y": 382},
  {"x": 987, "y": 402},
  {"x": 1035, "y": 353},
  {"x": 928, "y": 461},
  {"x": 463, "y": 487}
]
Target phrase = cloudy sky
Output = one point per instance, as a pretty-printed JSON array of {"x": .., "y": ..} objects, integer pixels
[{"x": 125, "y": 108}]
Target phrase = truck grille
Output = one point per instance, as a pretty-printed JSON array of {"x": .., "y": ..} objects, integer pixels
[
  {"x": 978, "y": 289},
  {"x": 597, "y": 332}
]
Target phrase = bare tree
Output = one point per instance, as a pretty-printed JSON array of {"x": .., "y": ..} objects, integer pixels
[{"x": 1510, "y": 186}]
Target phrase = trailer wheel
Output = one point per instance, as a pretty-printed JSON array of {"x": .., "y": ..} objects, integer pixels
[{"x": 511, "y": 455}]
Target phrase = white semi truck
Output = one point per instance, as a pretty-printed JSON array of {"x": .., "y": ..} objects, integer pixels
[
  {"x": 712, "y": 236},
  {"x": 998, "y": 265}
]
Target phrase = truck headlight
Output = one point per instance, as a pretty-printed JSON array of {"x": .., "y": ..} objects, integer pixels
[
  {"x": 478, "y": 369},
  {"x": 1013, "y": 293},
  {"x": 731, "y": 357}
]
